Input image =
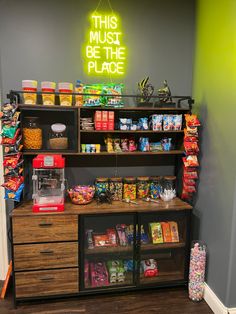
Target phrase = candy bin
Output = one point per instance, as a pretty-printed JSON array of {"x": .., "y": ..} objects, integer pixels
[
  {"x": 116, "y": 188},
  {"x": 142, "y": 187},
  {"x": 82, "y": 194},
  {"x": 48, "y": 183},
  {"x": 32, "y": 133},
  {"x": 129, "y": 192},
  {"x": 155, "y": 187},
  {"x": 101, "y": 185},
  {"x": 197, "y": 270}
]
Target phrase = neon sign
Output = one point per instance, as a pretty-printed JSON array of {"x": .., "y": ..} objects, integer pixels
[{"x": 104, "y": 53}]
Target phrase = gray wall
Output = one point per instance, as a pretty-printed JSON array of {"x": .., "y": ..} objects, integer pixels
[
  {"x": 42, "y": 40},
  {"x": 215, "y": 94}
]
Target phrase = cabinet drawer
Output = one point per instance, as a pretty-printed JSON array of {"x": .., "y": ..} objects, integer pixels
[
  {"x": 43, "y": 283},
  {"x": 45, "y": 228},
  {"x": 46, "y": 255}
]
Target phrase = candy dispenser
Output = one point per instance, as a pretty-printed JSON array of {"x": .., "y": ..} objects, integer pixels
[
  {"x": 197, "y": 270},
  {"x": 48, "y": 183}
]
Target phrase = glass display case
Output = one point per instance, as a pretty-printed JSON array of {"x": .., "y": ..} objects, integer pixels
[{"x": 108, "y": 251}]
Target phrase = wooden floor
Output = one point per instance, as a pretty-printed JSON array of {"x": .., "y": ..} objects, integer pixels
[{"x": 162, "y": 301}]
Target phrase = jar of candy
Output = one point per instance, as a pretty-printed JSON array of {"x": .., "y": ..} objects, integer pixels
[
  {"x": 101, "y": 185},
  {"x": 142, "y": 187},
  {"x": 155, "y": 187},
  {"x": 32, "y": 133},
  {"x": 116, "y": 188},
  {"x": 129, "y": 191},
  {"x": 29, "y": 86},
  {"x": 169, "y": 182},
  {"x": 197, "y": 270}
]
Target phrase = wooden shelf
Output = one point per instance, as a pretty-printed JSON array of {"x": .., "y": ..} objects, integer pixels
[
  {"x": 45, "y": 107},
  {"x": 167, "y": 271},
  {"x": 130, "y": 131},
  {"x": 116, "y": 207},
  {"x": 128, "y": 281},
  {"x": 160, "y": 246},
  {"x": 137, "y": 153}
]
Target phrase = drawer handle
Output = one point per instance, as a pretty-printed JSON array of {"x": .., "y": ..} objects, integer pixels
[
  {"x": 47, "y": 278},
  {"x": 45, "y": 224},
  {"x": 46, "y": 252}
]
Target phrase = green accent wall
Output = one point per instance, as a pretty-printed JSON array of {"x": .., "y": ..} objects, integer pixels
[{"x": 214, "y": 90}]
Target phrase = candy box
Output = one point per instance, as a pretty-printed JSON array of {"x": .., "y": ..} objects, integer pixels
[
  {"x": 101, "y": 240},
  {"x": 149, "y": 268},
  {"x": 156, "y": 232},
  {"x": 174, "y": 231},
  {"x": 111, "y": 233},
  {"x": 98, "y": 120},
  {"x": 111, "y": 117},
  {"x": 99, "y": 274},
  {"x": 166, "y": 232},
  {"x": 104, "y": 120}
]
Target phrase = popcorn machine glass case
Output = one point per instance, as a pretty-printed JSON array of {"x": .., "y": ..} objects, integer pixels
[{"x": 48, "y": 183}]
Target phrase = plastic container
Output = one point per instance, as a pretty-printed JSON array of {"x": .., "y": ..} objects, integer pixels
[
  {"x": 101, "y": 185},
  {"x": 197, "y": 270},
  {"x": 155, "y": 188},
  {"x": 32, "y": 133},
  {"x": 129, "y": 190},
  {"x": 29, "y": 86},
  {"x": 116, "y": 188},
  {"x": 169, "y": 182},
  {"x": 49, "y": 87},
  {"x": 67, "y": 88},
  {"x": 58, "y": 138},
  {"x": 142, "y": 187},
  {"x": 79, "y": 89}
]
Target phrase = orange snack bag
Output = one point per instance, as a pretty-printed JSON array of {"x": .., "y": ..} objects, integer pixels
[{"x": 174, "y": 231}]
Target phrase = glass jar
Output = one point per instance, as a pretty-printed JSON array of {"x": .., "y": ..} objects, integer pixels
[
  {"x": 155, "y": 187},
  {"x": 169, "y": 182},
  {"x": 116, "y": 188},
  {"x": 142, "y": 187},
  {"x": 32, "y": 133},
  {"x": 129, "y": 191},
  {"x": 101, "y": 185},
  {"x": 57, "y": 137},
  {"x": 66, "y": 97},
  {"x": 197, "y": 270}
]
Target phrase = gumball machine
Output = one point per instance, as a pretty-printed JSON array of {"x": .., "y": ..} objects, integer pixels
[{"x": 48, "y": 183}]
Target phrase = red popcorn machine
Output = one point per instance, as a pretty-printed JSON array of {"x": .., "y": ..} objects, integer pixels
[{"x": 48, "y": 183}]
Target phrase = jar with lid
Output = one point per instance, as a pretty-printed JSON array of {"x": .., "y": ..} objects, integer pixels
[
  {"x": 57, "y": 137},
  {"x": 32, "y": 133},
  {"x": 142, "y": 187},
  {"x": 155, "y": 187},
  {"x": 169, "y": 182},
  {"x": 129, "y": 188},
  {"x": 197, "y": 270},
  {"x": 116, "y": 188},
  {"x": 101, "y": 185}
]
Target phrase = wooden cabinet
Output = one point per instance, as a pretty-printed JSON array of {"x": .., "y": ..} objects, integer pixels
[
  {"x": 50, "y": 251},
  {"x": 45, "y": 255}
]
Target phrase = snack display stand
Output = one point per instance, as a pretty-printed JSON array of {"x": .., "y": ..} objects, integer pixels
[{"x": 52, "y": 253}]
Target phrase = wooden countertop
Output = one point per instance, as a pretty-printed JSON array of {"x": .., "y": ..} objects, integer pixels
[{"x": 25, "y": 209}]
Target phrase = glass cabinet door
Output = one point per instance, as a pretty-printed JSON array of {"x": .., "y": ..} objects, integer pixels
[
  {"x": 107, "y": 251},
  {"x": 163, "y": 248}
]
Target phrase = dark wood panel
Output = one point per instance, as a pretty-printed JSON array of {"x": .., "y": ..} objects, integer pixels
[
  {"x": 44, "y": 256},
  {"x": 116, "y": 207},
  {"x": 43, "y": 283},
  {"x": 45, "y": 228}
]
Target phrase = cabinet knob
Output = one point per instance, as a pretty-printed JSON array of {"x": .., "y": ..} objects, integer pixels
[
  {"x": 45, "y": 224},
  {"x": 47, "y": 278},
  {"x": 46, "y": 252}
]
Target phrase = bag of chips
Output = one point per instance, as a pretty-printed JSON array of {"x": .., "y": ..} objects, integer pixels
[
  {"x": 192, "y": 120},
  {"x": 14, "y": 195},
  {"x": 13, "y": 183}
]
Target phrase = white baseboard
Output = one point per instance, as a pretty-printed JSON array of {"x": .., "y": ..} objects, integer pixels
[
  {"x": 232, "y": 310},
  {"x": 214, "y": 302}
]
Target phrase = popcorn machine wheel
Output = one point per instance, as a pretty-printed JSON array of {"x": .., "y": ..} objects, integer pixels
[{"x": 48, "y": 183}]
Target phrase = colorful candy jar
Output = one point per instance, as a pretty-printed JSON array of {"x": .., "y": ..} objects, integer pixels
[
  {"x": 129, "y": 188},
  {"x": 116, "y": 188},
  {"x": 197, "y": 270},
  {"x": 142, "y": 187},
  {"x": 155, "y": 187},
  {"x": 101, "y": 185}
]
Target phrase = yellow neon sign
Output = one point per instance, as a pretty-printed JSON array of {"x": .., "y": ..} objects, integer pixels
[{"x": 104, "y": 53}]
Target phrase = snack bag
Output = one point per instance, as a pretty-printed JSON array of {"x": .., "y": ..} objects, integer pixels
[
  {"x": 101, "y": 240},
  {"x": 149, "y": 268},
  {"x": 128, "y": 265},
  {"x": 166, "y": 232},
  {"x": 177, "y": 122},
  {"x": 190, "y": 173},
  {"x": 7, "y": 112},
  {"x": 121, "y": 231},
  {"x": 143, "y": 124},
  {"x": 111, "y": 233},
  {"x": 14, "y": 195},
  {"x": 144, "y": 144},
  {"x": 174, "y": 231},
  {"x": 156, "y": 232},
  {"x": 168, "y": 122},
  {"x": 192, "y": 120},
  {"x": 191, "y": 148},
  {"x": 12, "y": 161},
  {"x": 13, "y": 183},
  {"x": 190, "y": 161},
  {"x": 10, "y": 141},
  {"x": 9, "y": 131},
  {"x": 92, "y": 100},
  {"x": 156, "y": 122},
  {"x": 116, "y": 91},
  {"x": 13, "y": 149},
  {"x": 166, "y": 144}
]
